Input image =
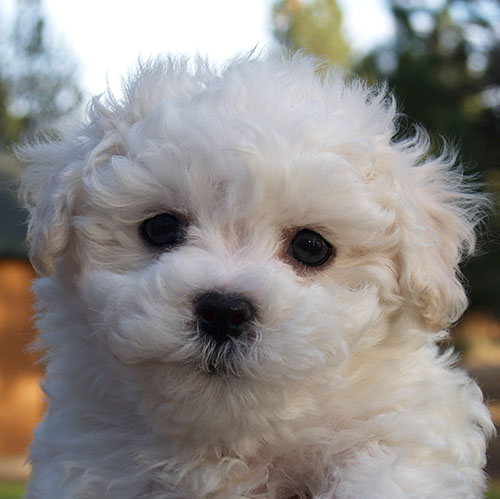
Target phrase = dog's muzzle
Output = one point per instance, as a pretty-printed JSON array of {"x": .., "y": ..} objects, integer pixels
[{"x": 223, "y": 316}]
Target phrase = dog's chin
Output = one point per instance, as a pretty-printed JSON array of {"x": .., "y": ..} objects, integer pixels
[
  {"x": 221, "y": 361},
  {"x": 218, "y": 394},
  {"x": 195, "y": 404},
  {"x": 226, "y": 359},
  {"x": 178, "y": 378}
]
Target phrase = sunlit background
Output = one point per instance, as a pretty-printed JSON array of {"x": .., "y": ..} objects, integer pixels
[{"x": 441, "y": 58}]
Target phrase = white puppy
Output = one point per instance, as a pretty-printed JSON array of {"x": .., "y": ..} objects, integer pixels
[{"x": 245, "y": 280}]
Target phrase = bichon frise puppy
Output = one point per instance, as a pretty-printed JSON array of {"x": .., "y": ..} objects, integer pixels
[{"x": 245, "y": 277}]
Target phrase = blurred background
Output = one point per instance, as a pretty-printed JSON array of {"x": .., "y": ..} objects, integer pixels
[{"x": 440, "y": 57}]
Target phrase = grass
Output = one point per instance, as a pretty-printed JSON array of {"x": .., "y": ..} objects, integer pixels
[
  {"x": 16, "y": 491},
  {"x": 493, "y": 492},
  {"x": 12, "y": 490}
]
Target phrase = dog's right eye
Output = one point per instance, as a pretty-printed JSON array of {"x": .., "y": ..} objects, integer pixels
[{"x": 163, "y": 230}]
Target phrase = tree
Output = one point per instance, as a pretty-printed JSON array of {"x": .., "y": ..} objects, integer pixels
[
  {"x": 312, "y": 26},
  {"x": 37, "y": 85},
  {"x": 37, "y": 77},
  {"x": 444, "y": 66},
  {"x": 10, "y": 126}
]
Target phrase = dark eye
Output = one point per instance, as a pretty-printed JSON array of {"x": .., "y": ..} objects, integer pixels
[
  {"x": 309, "y": 248},
  {"x": 163, "y": 230}
]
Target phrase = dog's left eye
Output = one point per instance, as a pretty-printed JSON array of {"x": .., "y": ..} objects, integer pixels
[
  {"x": 311, "y": 249},
  {"x": 163, "y": 230}
]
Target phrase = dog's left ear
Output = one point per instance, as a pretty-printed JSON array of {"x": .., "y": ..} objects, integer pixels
[{"x": 439, "y": 213}]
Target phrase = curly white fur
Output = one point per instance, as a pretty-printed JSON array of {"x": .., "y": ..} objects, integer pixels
[{"x": 341, "y": 392}]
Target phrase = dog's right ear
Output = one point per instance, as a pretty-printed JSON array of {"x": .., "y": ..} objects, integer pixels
[{"x": 48, "y": 190}]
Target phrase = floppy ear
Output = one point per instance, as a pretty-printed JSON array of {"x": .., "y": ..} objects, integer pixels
[
  {"x": 48, "y": 190},
  {"x": 437, "y": 230}
]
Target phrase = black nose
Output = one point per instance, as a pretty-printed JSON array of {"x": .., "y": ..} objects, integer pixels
[{"x": 223, "y": 316}]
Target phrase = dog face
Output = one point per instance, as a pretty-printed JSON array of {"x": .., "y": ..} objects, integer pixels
[{"x": 234, "y": 239}]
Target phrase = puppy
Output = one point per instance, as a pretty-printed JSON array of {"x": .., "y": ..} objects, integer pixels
[{"x": 244, "y": 278}]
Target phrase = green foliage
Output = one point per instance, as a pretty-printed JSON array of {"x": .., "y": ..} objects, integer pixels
[
  {"x": 12, "y": 490},
  {"x": 13, "y": 221},
  {"x": 10, "y": 126},
  {"x": 444, "y": 67},
  {"x": 312, "y": 26},
  {"x": 37, "y": 76},
  {"x": 37, "y": 85},
  {"x": 493, "y": 492}
]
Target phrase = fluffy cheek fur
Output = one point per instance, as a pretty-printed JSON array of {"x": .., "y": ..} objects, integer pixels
[{"x": 274, "y": 373}]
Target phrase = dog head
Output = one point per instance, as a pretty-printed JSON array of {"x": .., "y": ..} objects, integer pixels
[{"x": 234, "y": 237}]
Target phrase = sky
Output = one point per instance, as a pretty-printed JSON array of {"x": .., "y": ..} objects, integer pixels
[{"x": 108, "y": 36}]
